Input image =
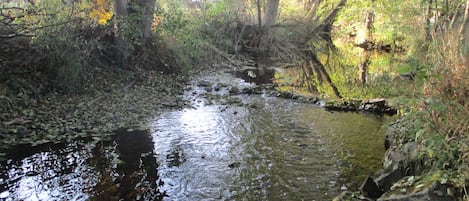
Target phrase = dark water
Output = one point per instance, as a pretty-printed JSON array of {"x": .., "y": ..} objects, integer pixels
[{"x": 266, "y": 149}]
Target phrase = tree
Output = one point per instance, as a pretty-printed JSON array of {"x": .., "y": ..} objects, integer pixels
[
  {"x": 132, "y": 27},
  {"x": 363, "y": 67},
  {"x": 312, "y": 6},
  {"x": 135, "y": 13},
  {"x": 271, "y": 12},
  {"x": 146, "y": 11},
  {"x": 464, "y": 30},
  {"x": 428, "y": 25}
]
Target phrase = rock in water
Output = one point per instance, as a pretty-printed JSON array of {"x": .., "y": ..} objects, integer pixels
[{"x": 370, "y": 188}]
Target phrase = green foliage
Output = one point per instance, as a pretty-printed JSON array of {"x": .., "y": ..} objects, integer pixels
[
  {"x": 220, "y": 27},
  {"x": 177, "y": 28},
  {"x": 442, "y": 118},
  {"x": 172, "y": 19},
  {"x": 57, "y": 52},
  {"x": 215, "y": 26}
]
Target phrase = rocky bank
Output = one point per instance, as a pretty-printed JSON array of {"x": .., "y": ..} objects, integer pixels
[{"x": 401, "y": 179}]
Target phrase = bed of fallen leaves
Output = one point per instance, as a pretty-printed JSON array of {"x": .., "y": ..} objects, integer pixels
[{"x": 111, "y": 100}]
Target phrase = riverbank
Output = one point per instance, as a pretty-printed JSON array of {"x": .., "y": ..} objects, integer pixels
[
  {"x": 112, "y": 100},
  {"x": 404, "y": 176}
]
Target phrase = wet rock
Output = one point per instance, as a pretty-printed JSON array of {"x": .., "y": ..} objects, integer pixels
[
  {"x": 234, "y": 90},
  {"x": 343, "y": 188},
  {"x": 373, "y": 105},
  {"x": 435, "y": 191},
  {"x": 346, "y": 196},
  {"x": 234, "y": 165},
  {"x": 386, "y": 179},
  {"x": 22, "y": 131},
  {"x": 395, "y": 156},
  {"x": 221, "y": 85},
  {"x": 398, "y": 132},
  {"x": 169, "y": 104},
  {"x": 350, "y": 105},
  {"x": 370, "y": 188},
  {"x": 377, "y": 105},
  {"x": 253, "y": 90},
  {"x": 204, "y": 83},
  {"x": 253, "y": 105}
]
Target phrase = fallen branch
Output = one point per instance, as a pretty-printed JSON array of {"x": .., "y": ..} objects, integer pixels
[
  {"x": 94, "y": 100},
  {"x": 219, "y": 52}
]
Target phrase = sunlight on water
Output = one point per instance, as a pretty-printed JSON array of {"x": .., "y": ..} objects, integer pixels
[
  {"x": 193, "y": 152},
  {"x": 48, "y": 176},
  {"x": 265, "y": 148}
]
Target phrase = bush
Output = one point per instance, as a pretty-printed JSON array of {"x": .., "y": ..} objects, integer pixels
[{"x": 444, "y": 111}]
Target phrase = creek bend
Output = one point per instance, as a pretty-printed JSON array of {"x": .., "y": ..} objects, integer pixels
[{"x": 243, "y": 147}]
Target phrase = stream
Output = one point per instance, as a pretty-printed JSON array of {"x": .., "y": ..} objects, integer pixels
[{"x": 222, "y": 147}]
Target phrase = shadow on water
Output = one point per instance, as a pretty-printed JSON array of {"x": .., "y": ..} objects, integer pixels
[
  {"x": 123, "y": 169},
  {"x": 48, "y": 172},
  {"x": 137, "y": 167}
]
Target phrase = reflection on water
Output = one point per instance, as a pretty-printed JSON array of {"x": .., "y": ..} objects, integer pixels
[
  {"x": 193, "y": 150},
  {"x": 271, "y": 149},
  {"x": 124, "y": 169},
  {"x": 278, "y": 150},
  {"x": 49, "y": 175}
]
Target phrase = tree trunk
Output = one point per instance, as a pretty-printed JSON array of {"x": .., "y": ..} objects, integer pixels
[
  {"x": 325, "y": 29},
  {"x": 123, "y": 46},
  {"x": 271, "y": 12},
  {"x": 315, "y": 61},
  {"x": 121, "y": 8},
  {"x": 308, "y": 76},
  {"x": 121, "y": 11},
  {"x": 147, "y": 15},
  {"x": 259, "y": 14},
  {"x": 312, "y": 10},
  {"x": 428, "y": 25},
  {"x": 463, "y": 32},
  {"x": 363, "y": 67},
  {"x": 369, "y": 18}
]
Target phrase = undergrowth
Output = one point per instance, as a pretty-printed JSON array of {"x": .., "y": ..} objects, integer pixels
[{"x": 443, "y": 113}]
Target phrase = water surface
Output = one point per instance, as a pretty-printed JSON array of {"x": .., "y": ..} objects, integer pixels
[{"x": 262, "y": 148}]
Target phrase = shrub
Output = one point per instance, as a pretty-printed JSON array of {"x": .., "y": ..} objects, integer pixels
[{"x": 444, "y": 111}]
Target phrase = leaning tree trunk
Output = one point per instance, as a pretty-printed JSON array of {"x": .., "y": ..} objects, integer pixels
[
  {"x": 322, "y": 71},
  {"x": 312, "y": 9},
  {"x": 325, "y": 29}
]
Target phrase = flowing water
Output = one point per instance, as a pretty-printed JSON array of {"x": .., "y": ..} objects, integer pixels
[{"x": 255, "y": 148}]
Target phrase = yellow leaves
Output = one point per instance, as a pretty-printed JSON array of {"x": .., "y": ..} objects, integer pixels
[{"x": 100, "y": 11}]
